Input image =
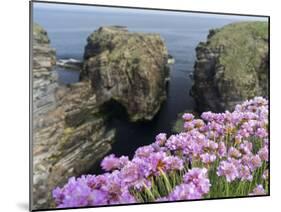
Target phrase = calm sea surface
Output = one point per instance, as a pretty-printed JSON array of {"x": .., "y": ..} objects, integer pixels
[{"x": 68, "y": 31}]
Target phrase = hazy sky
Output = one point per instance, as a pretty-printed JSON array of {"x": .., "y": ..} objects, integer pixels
[{"x": 53, "y": 6}]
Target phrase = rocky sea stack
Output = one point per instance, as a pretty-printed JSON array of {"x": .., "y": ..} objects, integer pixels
[
  {"x": 70, "y": 133},
  {"x": 231, "y": 66},
  {"x": 127, "y": 68}
]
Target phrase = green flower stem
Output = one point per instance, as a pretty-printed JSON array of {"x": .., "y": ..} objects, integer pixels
[
  {"x": 227, "y": 188},
  {"x": 166, "y": 180},
  {"x": 149, "y": 192}
]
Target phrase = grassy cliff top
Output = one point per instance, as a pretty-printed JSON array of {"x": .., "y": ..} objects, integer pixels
[
  {"x": 244, "y": 45},
  {"x": 125, "y": 44},
  {"x": 239, "y": 32}
]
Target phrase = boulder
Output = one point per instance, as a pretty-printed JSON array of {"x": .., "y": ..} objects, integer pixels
[
  {"x": 128, "y": 68},
  {"x": 231, "y": 66}
]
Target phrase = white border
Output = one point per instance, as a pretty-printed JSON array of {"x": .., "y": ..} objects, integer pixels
[{"x": 15, "y": 103}]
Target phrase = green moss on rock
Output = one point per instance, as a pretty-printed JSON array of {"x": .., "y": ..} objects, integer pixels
[{"x": 231, "y": 66}]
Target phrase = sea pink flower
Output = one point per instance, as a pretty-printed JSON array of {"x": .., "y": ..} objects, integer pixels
[
  {"x": 207, "y": 116},
  {"x": 208, "y": 158},
  {"x": 173, "y": 163},
  {"x": 255, "y": 162},
  {"x": 188, "y": 125},
  {"x": 221, "y": 149},
  {"x": 144, "y": 151},
  {"x": 198, "y": 123},
  {"x": 161, "y": 139},
  {"x": 261, "y": 133},
  {"x": 130, "y": 173},
  {"x": 263, "y": 153},
  {"x": 245, "y": 173},
  {"x": 110, "y": 163},
  {"x": 184, "y": 192},
  {"x": 199, "y": 178},
  {"x": 246, "y": 147},
  {"x": 202, "y": 142},
  {"x": 211, "y": 145},
  {"x": 228, "y": 169},
  {"x": 187, "y": 117},
  {"x": 233, "y": 152},
  {"x": 259, "y": 190}
]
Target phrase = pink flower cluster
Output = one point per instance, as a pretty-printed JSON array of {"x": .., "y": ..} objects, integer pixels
[
  {"x": 233, "y": 144},
  {"x": 195, "y": 185}
]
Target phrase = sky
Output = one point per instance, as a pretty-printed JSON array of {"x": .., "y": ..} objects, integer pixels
[{"x": 86, "y": 8}]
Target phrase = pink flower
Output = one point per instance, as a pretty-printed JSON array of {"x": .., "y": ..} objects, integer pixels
[
  {"x": 188, "y": 116},
  {"x": 263, "y": 153},
  {"x": 144, "y": 151},
  {"x": 246, "y": 147},
  {"x": 184, "y": 192},
  {"x": 228, "y": 169},
  {"x": 221, "y": 149},
  {"x": 110, "y": 163},
  {"x": 188, "y": 125},
  {"x": 245, "y": 173},
  {"x": 130, "y": 173},
  {"x": 259, "y": 190},
  {"x": 161, "y": 139},
  {"x": 233, "y": 152},
  {"x": 173, "y": 163},
  {"x": 255, "y": 162},
  {"x": 261, "y": 133},
  {"x": 199, "y": 178},
  {"x": 208, "y": 158}
]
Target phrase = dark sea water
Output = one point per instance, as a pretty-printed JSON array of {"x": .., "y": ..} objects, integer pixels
[{"x": 68, "y": 31}]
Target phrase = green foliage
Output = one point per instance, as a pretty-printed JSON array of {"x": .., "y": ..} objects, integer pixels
[
  {"x": 242, "y": 46},
  {"x": 161, "y": 186}
]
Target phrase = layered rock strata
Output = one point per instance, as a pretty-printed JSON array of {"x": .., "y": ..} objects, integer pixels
[{"x": 70, "y": 133}]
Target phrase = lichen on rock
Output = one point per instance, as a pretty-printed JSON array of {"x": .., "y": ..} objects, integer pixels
[{"x": 231, "y": 66}]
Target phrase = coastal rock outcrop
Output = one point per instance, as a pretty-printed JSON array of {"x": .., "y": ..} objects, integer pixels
[
  {"x": 231, "y": 66},
  {"x": 44, "y": 79},
  {"x": 128, "y": 68},
  {"x": 70, "y": 132}
]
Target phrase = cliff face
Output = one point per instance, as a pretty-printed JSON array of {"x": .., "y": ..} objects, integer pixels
[
  {"x": 70, "y": 132},
  {"x": 231, "y": 66},
  {"x": 128, "y": 68},
  {"x": 44, "y": 79}
]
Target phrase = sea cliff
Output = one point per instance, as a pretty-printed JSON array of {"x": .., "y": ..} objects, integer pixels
[{"x": 231, "y": 66}]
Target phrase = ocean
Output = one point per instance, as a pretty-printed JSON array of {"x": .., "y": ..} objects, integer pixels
[{"x": 69, "y": 29}]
